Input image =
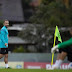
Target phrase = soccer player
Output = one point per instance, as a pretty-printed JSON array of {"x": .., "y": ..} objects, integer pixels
[
  {"x": 66, "y": 51},
  {"x": 4, "y": 42}
]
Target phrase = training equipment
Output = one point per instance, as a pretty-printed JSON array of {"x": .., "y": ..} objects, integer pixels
[
  {"x": 54, "y": 49},
  {"x": 57, "y": 34}
]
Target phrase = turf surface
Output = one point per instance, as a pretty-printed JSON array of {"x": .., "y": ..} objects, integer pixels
[{"x": 32, "y": 70}]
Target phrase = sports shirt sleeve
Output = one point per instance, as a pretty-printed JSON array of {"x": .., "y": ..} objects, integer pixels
[
  {"x": 2, "y": 35},
  {"x": 65, "y": 44}
]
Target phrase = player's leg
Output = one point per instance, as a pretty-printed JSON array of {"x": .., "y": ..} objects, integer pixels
[
  {"x": 1, "y": 55},
  {"x": 55, "y": 66},
  {"x": 63, "y": 55},
  {"x": 60, "y": 58},
  {"x": 66, "y": 52},
  {"x": 6, "y": 60},
  {"x": 6, "y": 57},
  {"x": 69, "y": 57}
]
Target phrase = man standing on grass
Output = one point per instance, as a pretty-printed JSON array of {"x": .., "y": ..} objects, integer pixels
[{"x": 4, "y": 43}]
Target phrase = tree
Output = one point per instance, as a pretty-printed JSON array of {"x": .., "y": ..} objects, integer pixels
[
  {"x": 52, "y": 14},
  {"x": 36, "y": 34},
  {"x": 48, "y": 15},
  {"x": 1, "y": 23}
]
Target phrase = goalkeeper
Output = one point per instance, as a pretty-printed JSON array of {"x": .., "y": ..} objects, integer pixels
[{"x": 66, "y": 48}]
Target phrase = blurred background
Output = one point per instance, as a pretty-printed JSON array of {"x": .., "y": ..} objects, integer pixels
[{"x": 32, "y": 25}]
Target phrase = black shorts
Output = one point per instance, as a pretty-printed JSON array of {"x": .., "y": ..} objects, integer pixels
[
  {"x": 3, "y": 50},
  {"x": 60, "y": 50},
  {"x": 68, "y": 50}
]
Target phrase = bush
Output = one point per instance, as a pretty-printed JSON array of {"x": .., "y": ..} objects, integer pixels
[{"x": 52, "y": 14}]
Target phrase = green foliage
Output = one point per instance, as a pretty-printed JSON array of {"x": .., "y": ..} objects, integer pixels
[
  {"x": 19, "y": 49},
  {"x": 48, "y": 15},
  {"x": 36, "y": 34},
  {"x": 52, "y": 14},
  {"x": 46, "y": 2},
  {"x": 27, "y": 34},
  {"x": 1, "y": 23}
]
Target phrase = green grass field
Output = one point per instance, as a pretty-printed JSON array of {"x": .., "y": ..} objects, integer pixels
[{"x": 32, "y": 70}]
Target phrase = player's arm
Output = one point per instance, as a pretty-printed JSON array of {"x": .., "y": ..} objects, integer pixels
[
  {"x": 62, "y": 45},
  {"x": 2, "y": 36},
  {"x": 65, "y": 44}
]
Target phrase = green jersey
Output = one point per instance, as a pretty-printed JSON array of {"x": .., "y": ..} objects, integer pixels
[{"x": 65, "y": 44}]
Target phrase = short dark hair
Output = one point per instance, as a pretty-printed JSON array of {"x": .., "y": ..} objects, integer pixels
[{"x": 5, "y": 20}]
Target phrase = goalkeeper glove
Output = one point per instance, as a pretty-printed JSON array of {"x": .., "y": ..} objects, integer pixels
[{"x": 54, "y": 49}]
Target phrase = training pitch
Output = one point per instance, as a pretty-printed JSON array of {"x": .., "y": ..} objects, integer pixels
[{"x": 32, "y": 70}]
